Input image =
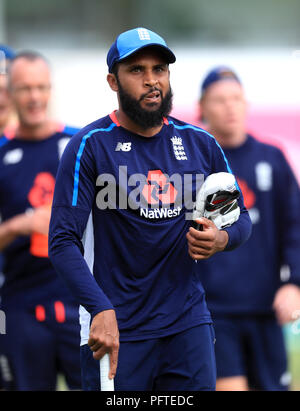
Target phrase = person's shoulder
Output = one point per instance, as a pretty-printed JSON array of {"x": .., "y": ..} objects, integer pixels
[
  {"x": 69, "y": 131},
  {"x": 10, "y": 151},
  {"x": 7, "y": 135},
  {"x": 272, "y": 149},
  {"x": 4, "y": 140},
  {"x": 101, "y": 125},
  {"x": 183, "y": 125},
  {"x": 104, "y": 124},
  {"x": 263, "y": 143},
  {"x": 6, "y": 143},
  {"x": 193, "y": 128}
]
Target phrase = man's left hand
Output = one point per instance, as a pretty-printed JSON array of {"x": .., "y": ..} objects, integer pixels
[{"x": 204, "y": 244}]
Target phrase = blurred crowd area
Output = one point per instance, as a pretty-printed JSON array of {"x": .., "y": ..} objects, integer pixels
[{"x": 258, "y": 39}]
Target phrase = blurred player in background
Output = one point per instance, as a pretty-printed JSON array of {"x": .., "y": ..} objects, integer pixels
[
  {"x": 7, "y": 117},
  {"x": 41, "y": 316},
  {"x": 245, "y": 293},
  {"x": 6, "y": 109},
  {"x": 141, "y": 253}
]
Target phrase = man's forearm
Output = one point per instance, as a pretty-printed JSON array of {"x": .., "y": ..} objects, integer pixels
[
  {"x": 19, "y": 225},
  {"x": 69, "y": 263},
  {"x": 222, "y": 240},
  {"x": 8, "y": 233},
  {"x": 239, "y": 232}
]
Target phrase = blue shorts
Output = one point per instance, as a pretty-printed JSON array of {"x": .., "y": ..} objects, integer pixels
[
  {"x": 41, "y": 341},
  {"x": 180, "y": 362},
  {"x": 252, "y": 346}
]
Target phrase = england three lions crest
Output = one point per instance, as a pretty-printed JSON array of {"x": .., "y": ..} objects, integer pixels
[{"x": 178, "y": 148}]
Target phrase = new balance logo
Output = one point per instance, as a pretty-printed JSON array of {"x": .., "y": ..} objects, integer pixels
[
  {"x": 144, "y": 34},
  {"x": 123, "y": 147}
]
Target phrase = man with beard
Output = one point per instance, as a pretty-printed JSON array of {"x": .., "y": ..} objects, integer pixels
[{"x": 144, "y": 303}]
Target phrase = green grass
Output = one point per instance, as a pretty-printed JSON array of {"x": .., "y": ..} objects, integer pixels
[
  {"x": 293, "y": 348},
  {"x": 61, "y": 383},
  {"x": 295, "y": 370}
]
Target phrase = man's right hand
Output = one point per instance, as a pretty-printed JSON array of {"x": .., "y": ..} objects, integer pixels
[
  {"x": 25, "y": 224},
  {"x": 104, "y": 338},
  {"x": 20, "y": 224},
  {"x": 36, "y": 220}
]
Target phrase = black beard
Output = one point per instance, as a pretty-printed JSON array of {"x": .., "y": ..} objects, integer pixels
[{"x": 145, "y": 118}]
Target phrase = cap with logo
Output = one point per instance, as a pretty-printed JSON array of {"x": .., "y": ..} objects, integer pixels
[
  {"x": 132, "y": 41},
  {"x": 217, "y": 74}
]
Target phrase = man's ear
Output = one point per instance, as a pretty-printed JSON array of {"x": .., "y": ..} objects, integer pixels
[
  {"x": 200, "y": 110},
  {"x": 112, "y": 81}
]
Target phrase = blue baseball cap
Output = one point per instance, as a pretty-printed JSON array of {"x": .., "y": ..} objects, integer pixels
[
  {"x": 131, "y": 41},
  {"x": 8, "y": 52},
  {"x": 217, "y": 74}
]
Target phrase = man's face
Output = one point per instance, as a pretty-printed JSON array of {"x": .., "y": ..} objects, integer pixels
[
  {"x": 223, "y": 107},
  {"x": 5, "y": 102},
  {"x": 30, "y": 90},
  {"x": 143, "y": 85}
]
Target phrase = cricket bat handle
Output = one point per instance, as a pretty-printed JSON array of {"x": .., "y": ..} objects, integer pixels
[{"x": 105, "y": 383}]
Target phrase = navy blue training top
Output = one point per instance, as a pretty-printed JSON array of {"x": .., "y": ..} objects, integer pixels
[
  {"x": 27, "y": 178},
  {"x": 245, "y": 280},
  {"x": 138, "y": 252}
]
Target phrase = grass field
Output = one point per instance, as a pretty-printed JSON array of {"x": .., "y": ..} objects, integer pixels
[
  {"x": 295, "y": 370},
  {"x": 293, "y": 347},
  {"x": 61, "y": 384}
]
